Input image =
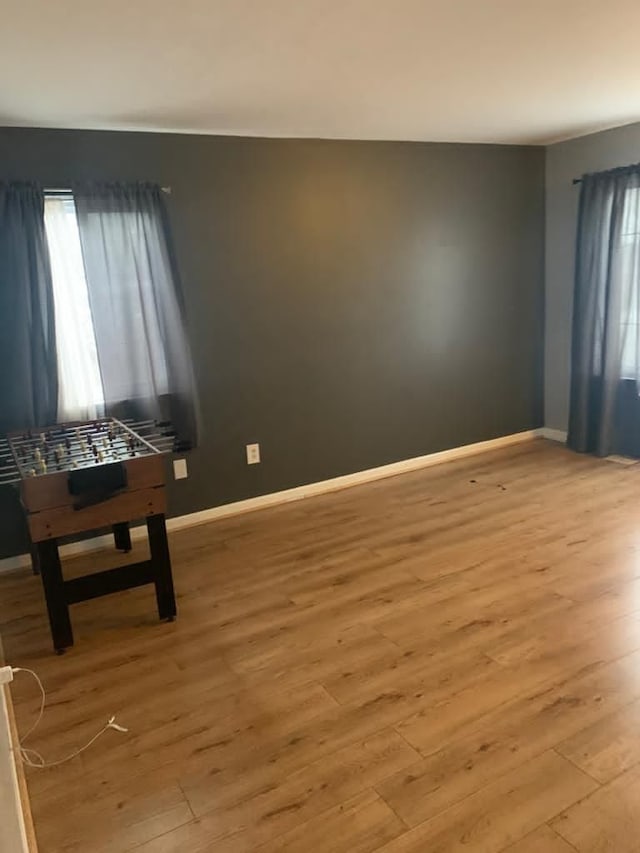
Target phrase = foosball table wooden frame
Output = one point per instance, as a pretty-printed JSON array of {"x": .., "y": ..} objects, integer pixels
[{"x": 55, "y": 510}]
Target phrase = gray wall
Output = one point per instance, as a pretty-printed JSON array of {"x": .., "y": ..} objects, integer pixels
[
  {"x": 351, "y": 303},
  {"x": 565, "y": 161}
]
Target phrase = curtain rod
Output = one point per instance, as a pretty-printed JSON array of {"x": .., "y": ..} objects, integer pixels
[
  {"x": 618, "y": 170},
  {"x": 67, "y": 190}
]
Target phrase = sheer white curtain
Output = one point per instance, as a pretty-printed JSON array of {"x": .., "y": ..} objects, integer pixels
[
  {"x": 629, "y": 272},
  {"x": 605, "y": 350},
  {"x": 80, "y": 393},
  {"x": 136, "y": 303}
]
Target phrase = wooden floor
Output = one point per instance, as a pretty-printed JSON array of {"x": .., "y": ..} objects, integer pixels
[{"x": 446, "y": 660}]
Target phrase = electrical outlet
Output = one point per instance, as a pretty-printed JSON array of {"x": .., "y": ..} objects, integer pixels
[
  {"x": 253, "y": 454},
  {"x": 180, "y": 469}
]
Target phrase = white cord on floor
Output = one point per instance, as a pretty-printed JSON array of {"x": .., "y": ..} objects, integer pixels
[{"x": 32, "y": 757}]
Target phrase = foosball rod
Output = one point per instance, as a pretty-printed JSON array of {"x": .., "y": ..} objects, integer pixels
[
  {"x": 163, "y": 443},
  {"x": 8, "y": 469},
  {"x": 91, "y": 436},
  {"x": 62, "y": 434},
  {"x": 86, "y": 435},
  {"x": 54, "y": 433},
  {"x": 69, "y": 463},
  {"x": 132, "y": 423},
  {"x": 76, "y": 452},
  {"x": 97, "y": 430},
  {"x": 100, "y": 442},
  {"x": 150, "y": 429},
  {"x": 36, "y": 468},
  {"x": 157, "y": 427}
]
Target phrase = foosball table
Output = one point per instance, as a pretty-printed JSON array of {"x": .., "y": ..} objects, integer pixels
[{"x": 81, "y": 477}]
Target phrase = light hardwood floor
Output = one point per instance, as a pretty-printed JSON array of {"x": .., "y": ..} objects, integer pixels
[{"x": 446, "y": 660}]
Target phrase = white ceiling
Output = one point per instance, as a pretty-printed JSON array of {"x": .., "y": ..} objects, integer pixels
[{"x": 442, "y": 70}]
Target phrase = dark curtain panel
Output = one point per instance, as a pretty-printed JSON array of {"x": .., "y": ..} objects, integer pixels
[
  {"x": 28, "y": 365},
  {"x": 606, "y": 310},
  {"x": 136, "y": 303}
]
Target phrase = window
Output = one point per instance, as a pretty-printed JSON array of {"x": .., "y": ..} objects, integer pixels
[
  {"x": 80, "y": 392},
  {"x": 120, "y": 338},
  {"x": 630, "y": 280}
]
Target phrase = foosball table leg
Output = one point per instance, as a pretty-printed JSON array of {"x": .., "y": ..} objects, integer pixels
[
  {"x": 161, "y": 562},
  {"x": 53, "y": 583},
  {"x": 122, "y": 536},
  {"x": 35, "y": 560}
]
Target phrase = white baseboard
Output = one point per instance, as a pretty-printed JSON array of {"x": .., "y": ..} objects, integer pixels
[
  {"x": 296, "y": 494},
  {"x": 553, "y": 434},
  {"x": 13, "y": 832}
]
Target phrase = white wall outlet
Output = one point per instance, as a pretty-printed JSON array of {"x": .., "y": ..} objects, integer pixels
[
  {"x": 253, "y": 454},
  {"x": 180, "y": 469}
]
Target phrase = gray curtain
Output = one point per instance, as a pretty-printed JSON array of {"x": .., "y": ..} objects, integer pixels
[
  {"x": 606, "y": 309},
  {"x": 136, "y": 303},
  {"x": 28, "y": 366}
]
